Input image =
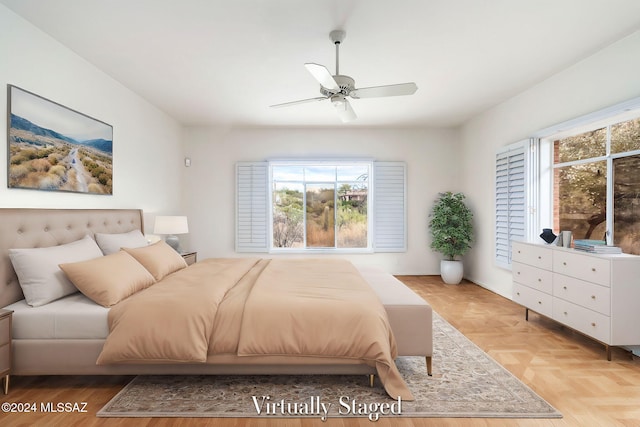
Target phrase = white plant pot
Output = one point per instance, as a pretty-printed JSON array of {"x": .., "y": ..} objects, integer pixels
[{"x": 451, "y": 271}]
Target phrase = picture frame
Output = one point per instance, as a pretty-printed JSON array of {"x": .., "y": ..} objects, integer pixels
[{"x": 51, "y": 147}]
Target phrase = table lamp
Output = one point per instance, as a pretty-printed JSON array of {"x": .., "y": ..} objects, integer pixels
[{"x": 170, "y": 226}]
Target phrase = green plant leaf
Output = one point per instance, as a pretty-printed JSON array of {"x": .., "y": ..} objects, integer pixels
[{"x": 451, "y": 225}]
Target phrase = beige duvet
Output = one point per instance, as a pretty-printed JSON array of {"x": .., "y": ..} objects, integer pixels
[{"x": 256, "y": 307}]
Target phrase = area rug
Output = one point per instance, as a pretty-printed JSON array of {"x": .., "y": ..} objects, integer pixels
[{"x": 466, "y": 382}]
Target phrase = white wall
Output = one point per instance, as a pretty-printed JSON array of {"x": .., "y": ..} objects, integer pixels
[
  {"x": 146, "y": 142},
  {"x": 608, "y": 77},
  {"x": 431, "y": 167}
]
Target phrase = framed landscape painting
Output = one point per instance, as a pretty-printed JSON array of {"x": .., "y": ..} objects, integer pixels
[{"x": 54, "y": 148}]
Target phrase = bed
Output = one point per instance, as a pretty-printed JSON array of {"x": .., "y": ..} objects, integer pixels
[{"x": 68, "y": 335}]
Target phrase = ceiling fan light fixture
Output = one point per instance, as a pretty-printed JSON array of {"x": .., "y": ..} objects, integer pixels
[
  {"x": 343, "y": 108},
  {"x": 338, "y": 100}
]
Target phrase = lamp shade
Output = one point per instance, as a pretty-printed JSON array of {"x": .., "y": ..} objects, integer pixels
[{"x": 171, "y": 225}]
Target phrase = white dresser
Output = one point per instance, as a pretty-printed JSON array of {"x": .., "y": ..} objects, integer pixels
[{"x": 597, "y": 295}]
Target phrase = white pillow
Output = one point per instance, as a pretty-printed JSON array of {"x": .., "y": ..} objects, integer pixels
[
  {"x": 112, "y": 243},
  {"x": 37, "y": 269}
]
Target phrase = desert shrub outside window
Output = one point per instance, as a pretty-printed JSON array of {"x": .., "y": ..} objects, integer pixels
[
  {"x": 320, "y": 205},
  {"x": 596, "y": 191}
]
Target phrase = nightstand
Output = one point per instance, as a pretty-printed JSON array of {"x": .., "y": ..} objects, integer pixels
[
  {"x": 190, "y": 257},
  {"x": 5, "y": 347}
]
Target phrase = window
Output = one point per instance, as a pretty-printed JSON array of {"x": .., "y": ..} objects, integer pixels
[
  {"x": 326, "y": 206},
  {"x": 320, "y": 205},
  {"x": 626, "y": 204},
  {"x": 596, "y": 192}
]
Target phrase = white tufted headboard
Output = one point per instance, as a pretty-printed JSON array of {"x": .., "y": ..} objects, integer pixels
[{"x": 38, "y": 228}]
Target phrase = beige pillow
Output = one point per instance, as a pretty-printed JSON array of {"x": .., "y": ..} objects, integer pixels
[
  {"x": 109, "y": 279},
  {"x": 159, "y": 259}
]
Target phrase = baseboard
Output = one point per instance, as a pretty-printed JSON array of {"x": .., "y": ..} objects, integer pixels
[{"x": 490, "y": 288}]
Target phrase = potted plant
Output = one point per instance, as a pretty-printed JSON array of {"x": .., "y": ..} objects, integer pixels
[{"x": 451, "y": 233}]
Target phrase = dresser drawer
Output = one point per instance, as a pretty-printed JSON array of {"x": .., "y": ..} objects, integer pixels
[
  {"x": 586, "y": 294},
  {"x": 590, "y": 268},
  {"x": 533, "y": 277},
  {"x": 533, "y": 299},
  {"x": 535, "y": 255},
  {"x": 5, "y": 333},
  {"x": 582, "y": 319},
  {"x": 5, "y": 361}
]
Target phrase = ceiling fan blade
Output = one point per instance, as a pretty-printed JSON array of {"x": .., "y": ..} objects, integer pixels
[
  {"x": 322, "y": 75},
  {"x": 390, "y": 90},
  {"x": 302, "y": 101},
  {"x": 344, "y": 110}
]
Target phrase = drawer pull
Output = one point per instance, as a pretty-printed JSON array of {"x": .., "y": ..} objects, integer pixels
[
  {"x": 593, "y": 297},
  {"x": 564, "y": 263},
  {"x": 518, "y": 273},
  {"x": 539, "y": 280},
  {"x": 564, "y": 287},
  {"x": 539, "y": 257},
  {"x": 593, "y": 324},
  {"x": 540, "y": 302},
  {"x": 565, "y": 313},
  {"x": 593, "y": 269},
  {"x": 518, "y": 293}
]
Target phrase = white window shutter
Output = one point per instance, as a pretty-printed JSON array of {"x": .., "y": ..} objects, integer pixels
[
  {"x": 252, "y": 210},
  {"x": 510, "y": 200},
  {"x": 389, "y": 207}
]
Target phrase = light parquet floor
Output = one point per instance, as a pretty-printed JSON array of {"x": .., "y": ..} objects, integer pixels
[{"x": 570, "y": 371}]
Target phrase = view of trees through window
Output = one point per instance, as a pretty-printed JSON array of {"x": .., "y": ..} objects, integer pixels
[
  {"x": 581, "y": 178},
  {"x": 321, "y": 214},
  {"x": 320, "y": 206},
  {"x": 626, "y": 208}
]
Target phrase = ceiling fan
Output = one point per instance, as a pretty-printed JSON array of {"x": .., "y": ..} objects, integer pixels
[{"x": 338, "y": 87}]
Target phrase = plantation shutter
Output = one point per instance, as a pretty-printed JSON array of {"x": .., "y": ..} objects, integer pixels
[
  {"x": 510, "y": 200},
  {"x": 252, "y": 211},
  {"x": 389, "y": 207}
]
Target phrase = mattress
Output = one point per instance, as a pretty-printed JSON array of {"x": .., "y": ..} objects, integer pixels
[{"x": 72, "y": 317}]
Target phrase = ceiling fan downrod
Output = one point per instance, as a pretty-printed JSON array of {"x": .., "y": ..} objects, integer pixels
[
  {"x": 337, "y": 36},
  {"x": 337, "y": 58}
]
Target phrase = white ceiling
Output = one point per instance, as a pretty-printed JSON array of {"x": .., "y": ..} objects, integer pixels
[{"x": 223, "y": 62}]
